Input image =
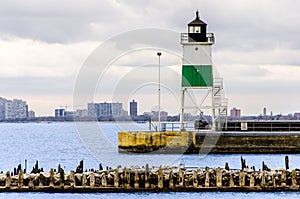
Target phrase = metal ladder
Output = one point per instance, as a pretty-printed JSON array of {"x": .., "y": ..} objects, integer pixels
[{"x": 220, "y": 105}]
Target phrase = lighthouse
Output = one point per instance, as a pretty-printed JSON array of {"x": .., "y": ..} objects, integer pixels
[{"x": 197, "y": 73}]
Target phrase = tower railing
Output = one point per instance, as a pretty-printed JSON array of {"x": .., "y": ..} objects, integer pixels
[{"x": 210, "y": 38}]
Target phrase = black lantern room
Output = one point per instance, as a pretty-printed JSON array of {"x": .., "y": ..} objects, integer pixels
[{"x": 197, "y": 30}]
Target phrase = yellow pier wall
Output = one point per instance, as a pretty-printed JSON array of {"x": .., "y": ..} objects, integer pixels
[{"x": 168, "y": 138}]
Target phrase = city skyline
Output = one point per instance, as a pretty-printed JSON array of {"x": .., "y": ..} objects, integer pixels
[{"x": 256, "y": 51}]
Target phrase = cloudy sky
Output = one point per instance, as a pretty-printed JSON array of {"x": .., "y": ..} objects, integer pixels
[{"x": 44, "y": 45}]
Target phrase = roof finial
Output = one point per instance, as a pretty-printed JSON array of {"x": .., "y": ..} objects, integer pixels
[{"x": 197, "y": 14}]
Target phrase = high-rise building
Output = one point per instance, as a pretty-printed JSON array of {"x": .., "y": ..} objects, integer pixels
[
  {"x": 96, "y": 110},
  {"x": 2, "y": 108},
  {"x": 235, "y": 113},
  {"x": 133, "y": 108},
  {"x": 15, "y": 109},
  {"x": 60, "y": 112},
  {"x": 265, "y": 112},
  {"x": 31, "y": 114}
]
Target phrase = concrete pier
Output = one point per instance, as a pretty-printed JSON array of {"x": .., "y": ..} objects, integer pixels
[
  {"x": 154, "y": 179},
  {"x": 213, "y": 142}
]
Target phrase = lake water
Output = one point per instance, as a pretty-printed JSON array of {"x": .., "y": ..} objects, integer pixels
[{"x": 68, "y": 143}]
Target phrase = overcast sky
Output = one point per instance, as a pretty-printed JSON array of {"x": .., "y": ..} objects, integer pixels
[{"x": 43, "y": 45}]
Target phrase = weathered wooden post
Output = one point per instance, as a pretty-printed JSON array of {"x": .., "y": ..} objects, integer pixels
[
  {"x": 287, "y": 163},
  {"x": 252, "y": 180},
  {"x": 104, "y": 180},
  {"x": 72, "y": 178},
  {"x": 181, "y": 177},
  {"x": 84, "y": 180},
  {"x": 30, "y": 183},
  {"x": 116, "y": 178},
  {"x": 195, "y": 179},
  {"x": 8, "y": 180},
  {"x": 274, "y": 180},
  {"x": 160, "y": 178},
  {"x": 171, "y": 182},
  {"x": 242, "y": 179},
  {"x": 231, "y": 181},
  {"x": 136, "y": 180},
  {"x": 283, "y": 178},
  {"x": 61, "y": 177},
  {"x": 207, "y": 177},
  {"x": 294, "y": 179},
  {"x": 227, "y": 166},
  {"x": 20, "y": 179},
  {"x": 147, "y": 184},
  {"x": 51, "y": 182},
  {"x": 126, "y": 178},
  {"x": 263, "y": 179},
  {"x": 92, "y": 180},
  {"x": 219, "y": 176}
]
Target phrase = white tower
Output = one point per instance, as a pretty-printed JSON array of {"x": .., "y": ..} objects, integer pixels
[{"x": 197, "y": 73}]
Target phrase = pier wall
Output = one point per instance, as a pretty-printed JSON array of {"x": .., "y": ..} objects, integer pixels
[{"x": 214, "y": 142}]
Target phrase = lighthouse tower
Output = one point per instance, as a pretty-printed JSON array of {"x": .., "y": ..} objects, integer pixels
[{"x": 197, "y": 73}]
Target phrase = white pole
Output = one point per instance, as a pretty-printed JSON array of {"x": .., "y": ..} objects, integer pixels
[{"x": 158, "y": 54}]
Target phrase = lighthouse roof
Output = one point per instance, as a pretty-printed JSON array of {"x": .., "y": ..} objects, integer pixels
[{"x": 197, "y": 21}]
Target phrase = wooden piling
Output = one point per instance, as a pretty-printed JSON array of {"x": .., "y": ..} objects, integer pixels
[
  {"x": 160, "y": 178},
  {"x": 207, "y": 177},
  {"x": 72, "y": 178},
  {"x": 219, "y": 177},
  {"x": 20, "y": 178},
  {"x": 92, "y": 180},
  {"x": 283, "y": 178},
  {"x": 8, "y": 179}
]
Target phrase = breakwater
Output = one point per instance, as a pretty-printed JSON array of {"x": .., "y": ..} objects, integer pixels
[
  {"x": 153, "y": 179},
  {"x": 209, "y": 142}
]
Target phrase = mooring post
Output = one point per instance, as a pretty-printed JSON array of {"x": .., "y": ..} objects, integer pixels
[
  {"x": 116, "y": 178},
  {"x": 195, "y": 179},
  {"x": 92, "y": 180},
  {"x": 126, "y": 178},
  {"x": 231, "y": 181},
  {"x": 287, "y": 163},
  {"x": 219, "y": 176},
  {"x": 207, "y": 177},
  {"x": 242, "y": 179},
  {"x": 181, "y": 177},
  {"x": 147, "y": 184},
  {"x": 8, "y": 179},
  {"x": 160, "y": 178},
  {"x": 171, "y": 182},
  {"x": 294, "y": 179},
  {"x": 62, "y": 178},
  {"x": 283, "y": 178},
  {"x": 136, "y": 180},
  {"x": 72, "y": 178},
  {"x": 20, "y": 178},
  {"x": 84, "y": 180},
  {"x": 226, "y": 166},
  {"x": 51, "y": 183},
  {"x": 274, "y": 180},
  {"x": 263, "y": 179},
  {"x": 252, "y": 179},
  {"x": 30, "y": 183},
  {"x": 104, "y": 180}
]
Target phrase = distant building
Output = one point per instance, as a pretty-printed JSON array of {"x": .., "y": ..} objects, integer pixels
[
  {"x": 235, "y": 113},
  {"x": 31, "y": 114},
  {"x": 96, "y": 110},
  {"x": 2, "y": 108},
  {"x": 81, "y": 113},
  {"x": 297, "y": 116},
  {"x": 133, "y": 108},
  {"x": 60, "y": 112},
  {"x": 15, "y": 109},
  {"x": 265, "y": 112}
]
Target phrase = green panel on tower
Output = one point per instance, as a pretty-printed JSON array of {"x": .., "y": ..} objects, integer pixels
[{"x": 197, "y": 76}]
